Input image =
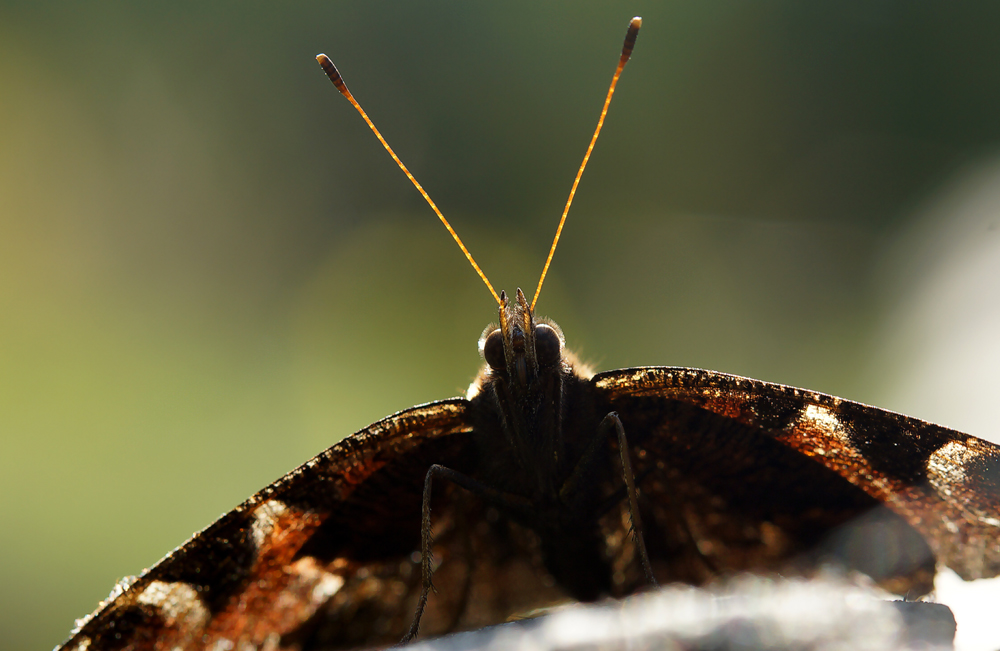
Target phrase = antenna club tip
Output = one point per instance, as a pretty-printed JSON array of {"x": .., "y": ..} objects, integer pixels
[
  {"x": 633, "y": 33},
  {"x": 332, "y": 72}
]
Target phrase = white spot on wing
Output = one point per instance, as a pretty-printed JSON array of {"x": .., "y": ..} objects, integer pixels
[
  {"x": 946, "y": 473},
  {"x": 947, "y": 464},
  {"x": 328, "y": 586},
  {"x": 819, "y": 415},
  {"x": 264, "y": 518},
  {"x": 222, "y": 645},
  {"x": 313, "y": 577},
  {"x": 178, "y": 602},
  {"x": 82, "y": 645}
]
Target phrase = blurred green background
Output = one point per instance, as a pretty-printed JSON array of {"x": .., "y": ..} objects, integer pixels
[{"x": 210, "y": 270}]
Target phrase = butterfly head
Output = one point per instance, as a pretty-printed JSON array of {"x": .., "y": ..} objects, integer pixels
[{"x": 521, "y": 349}]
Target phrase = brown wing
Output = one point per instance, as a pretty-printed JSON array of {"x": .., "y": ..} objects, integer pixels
[
  {"x": 739, "y": 474},
  {"x": 327, "y": 556}
]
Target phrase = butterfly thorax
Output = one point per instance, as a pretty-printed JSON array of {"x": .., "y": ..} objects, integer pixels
[{"x": 534, "y": 422}]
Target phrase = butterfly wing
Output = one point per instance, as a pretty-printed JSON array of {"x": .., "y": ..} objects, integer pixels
[
  {"x": 328, "y": 555},
  {"x": 734, "y": 474},
  {"x": 739, "y": 474}
]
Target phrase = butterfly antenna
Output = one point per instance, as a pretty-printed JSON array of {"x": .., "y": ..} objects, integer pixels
[
  {"x": 633, "y": 32},
  {"x": 338, "y": 81}
]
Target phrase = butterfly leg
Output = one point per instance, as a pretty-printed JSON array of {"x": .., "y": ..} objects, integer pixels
[
  {"x": 504, "y": 500},
  {"x": 611, "y": 423}
]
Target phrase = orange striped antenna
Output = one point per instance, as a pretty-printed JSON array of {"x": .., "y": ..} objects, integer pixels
[
  {"x": 338, "y": 81},
  {"x": 633, "y": 32}
]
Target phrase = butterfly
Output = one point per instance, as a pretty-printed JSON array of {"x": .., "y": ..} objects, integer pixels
[{"x": 549, "y": 483}]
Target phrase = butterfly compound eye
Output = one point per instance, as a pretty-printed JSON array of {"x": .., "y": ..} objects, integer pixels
[
  {"x": 493, "y": 351},
  {"x": 548, "y": 347}
]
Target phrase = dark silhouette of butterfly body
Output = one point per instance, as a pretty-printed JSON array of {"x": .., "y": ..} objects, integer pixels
[{"x": 535, "y": 420}]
